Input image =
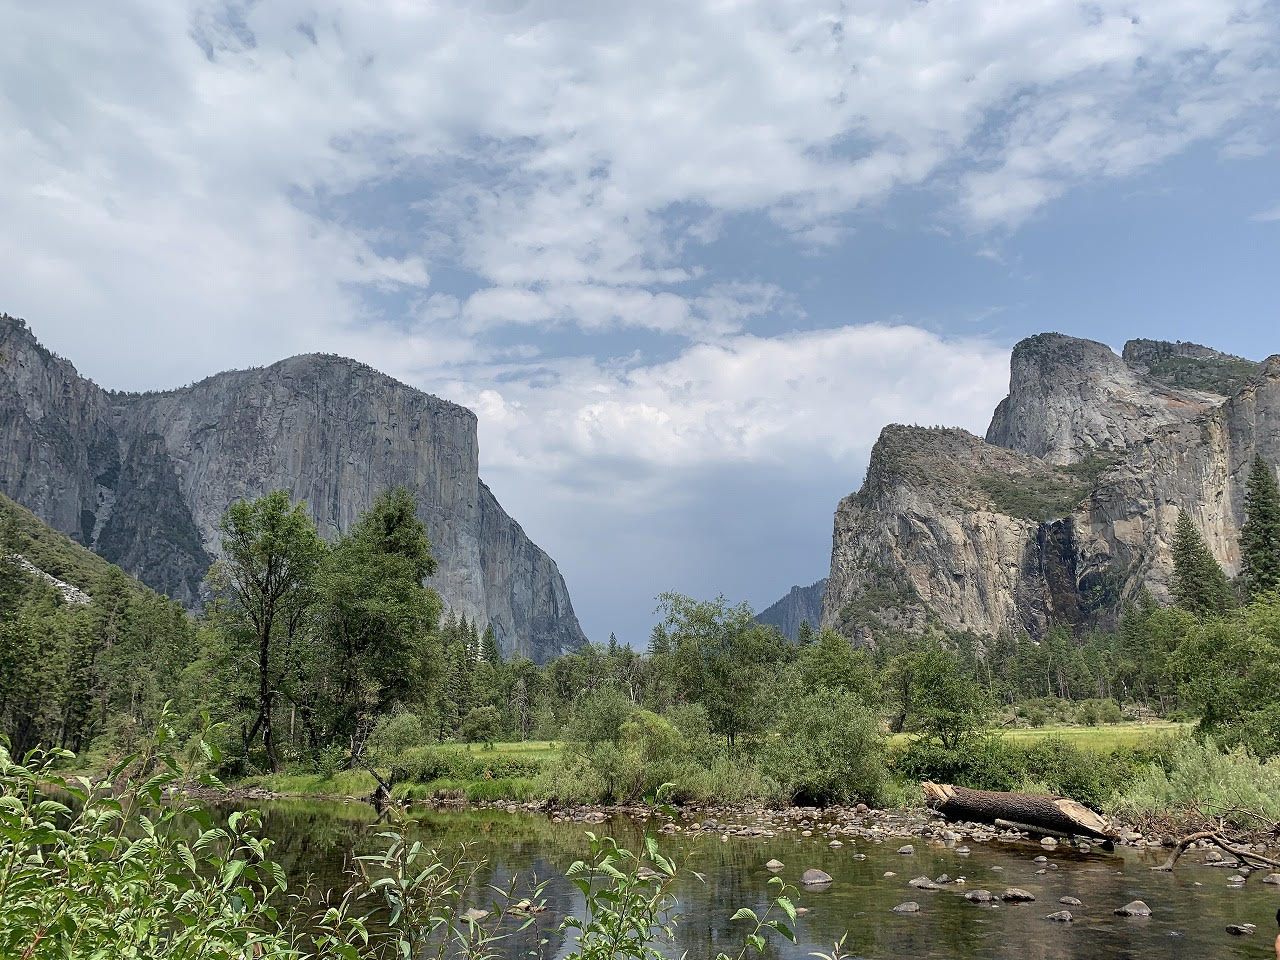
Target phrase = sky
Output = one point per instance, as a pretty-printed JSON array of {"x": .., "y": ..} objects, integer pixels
[{"x": 684, "y": 258}]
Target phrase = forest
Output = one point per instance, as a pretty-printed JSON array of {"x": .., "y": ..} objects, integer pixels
[{"x": 332, "y": 659}]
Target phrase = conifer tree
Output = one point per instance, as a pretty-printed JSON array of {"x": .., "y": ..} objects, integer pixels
[
  {"x": 1199, "y": 585},
  {"x": 1260, "y": 536},
  {"x": 490, "y": 646}
]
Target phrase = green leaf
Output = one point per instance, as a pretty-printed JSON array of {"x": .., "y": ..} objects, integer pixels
[
  {"x": 745, "y": 913},
  {"x": 788, "y": 907}
]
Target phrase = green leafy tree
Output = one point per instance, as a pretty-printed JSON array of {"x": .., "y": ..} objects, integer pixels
[
  {"x": 945, "y": 702},
  {"x": 375, "y": 617},
  {"x": 265, "y": 588},
  {"x": 1199, "y": 585},
  {"x": 1260, "y": 535}
]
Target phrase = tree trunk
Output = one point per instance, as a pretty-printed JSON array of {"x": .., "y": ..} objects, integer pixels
[{"x": 1055, "y": 815}]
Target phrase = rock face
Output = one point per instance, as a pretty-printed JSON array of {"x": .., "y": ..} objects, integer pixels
[
  {"x": 1068, "y": 506},
  {"x": 801, "y": 604},
  {"x": 142, "y": 479}
]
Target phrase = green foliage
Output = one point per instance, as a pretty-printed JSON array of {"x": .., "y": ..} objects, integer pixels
[
  {"x": 1199, "y": 585},
  {"x": 939, "y": 697},
  {"x": 1260, "y": 535},
  {"x": 1045, "y": 496},
  {"x": 1229, "y": 670},
  {"x": 428, "y": 764},
  {"x": 394, "y": 734},
  {"x": 1222, "y": 374},
  {"x": 826, "y": 748},
  {"x": 1199, "y": 778}
]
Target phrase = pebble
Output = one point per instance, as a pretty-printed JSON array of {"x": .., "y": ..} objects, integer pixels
[
  {"x": 909, "y": 907},
  {"x": 835, "y": 843},
  {"x": 1070, "y": 902},
  {"x": 1048, "y": 842},
  {"x": 1061, "y": 916},
  {"x": 907, "y": 850},
  {"x": 1237, "y": 879},
  {"x": 889, "y": 873},
  {"x": 1040, "y": 860},
  {"x": 1134, "y": 908},
  {"x": 774, "y": 865},
  {"x": 924, "y": 883},
  {"x": 1017, "y": 895}
]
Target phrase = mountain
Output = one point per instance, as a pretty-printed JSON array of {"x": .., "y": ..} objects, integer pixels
[
  {"x": 799, "y": 605},
  {"x": 142, "y": 478},
  {"x": 1067, "y": 507}
]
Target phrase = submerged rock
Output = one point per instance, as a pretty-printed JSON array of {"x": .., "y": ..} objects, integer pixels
[{"x": 979, "y": 896}]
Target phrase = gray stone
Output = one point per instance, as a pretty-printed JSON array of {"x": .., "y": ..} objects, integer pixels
[
  {"x": 1242, "y": 929},
  {"x": 1017, "y": 895},
  {"x": 923, "y": 883},
  {"x": 907, "y": 850},
  {"x": 1236, "y": 878},
  {"x": 774, "y": 865},
  {"x": 909, "y": 907},
  {"x": 814, "y": 877},
  {"x": 1060, "y": 916},
  {"x": 979, "y": 896},
  {"x": 143, "y": 478},
  {"x": 474, "y": 914},
  {"x": 1134, "y": 908},
  {"x": 1272, "y": 878},
  {"x": 1069, "y": 901}
]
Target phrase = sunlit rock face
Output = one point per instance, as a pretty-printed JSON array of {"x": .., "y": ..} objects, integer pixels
[
  {"x": 143, "y": 478},
  {"x": 1067, "y": 508}
]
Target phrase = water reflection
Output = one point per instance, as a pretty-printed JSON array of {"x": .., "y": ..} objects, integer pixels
[{"x": 316, "y": 841}]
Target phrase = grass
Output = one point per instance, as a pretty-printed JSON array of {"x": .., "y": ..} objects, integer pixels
[
  {"x": 345, "y": 783},
  {"x": 1100, "y": 739},
  {"x": 526, "y": 749}
]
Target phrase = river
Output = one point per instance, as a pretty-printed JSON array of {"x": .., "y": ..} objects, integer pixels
[{"x": 1192, "y": 906}]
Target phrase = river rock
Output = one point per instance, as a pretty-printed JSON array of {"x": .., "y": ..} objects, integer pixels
[
  {"x": 907, "y": 850},
  {"x": 474, "y": 914},
  {"x": 774, "y": 865},
  {"x": 1060, "y": 916},
  {"x": 1242, "y": 929},
  {"x": 909, "y": 907},
  {"x": 814, "y": 877},
  {"x": 979, "y": 896},
  {"x": 1017, "y": 895},
  {"x": 924, "y": 883},
  {"x": 1236, "y": 878},
  {"x": 835, "y": 843},
  {"x": 1273, "y": 878},
  {"x": 1069, "y": 902},
  {"x": 1134, "y": 908}
]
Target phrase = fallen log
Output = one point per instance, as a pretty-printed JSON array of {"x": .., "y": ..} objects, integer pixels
[{"x": 1053, "y": 816}]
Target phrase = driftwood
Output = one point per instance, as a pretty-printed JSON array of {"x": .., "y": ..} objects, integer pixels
[
  {"x": 1052, "y": 816},
  {"x": 1216, "y": 838}
]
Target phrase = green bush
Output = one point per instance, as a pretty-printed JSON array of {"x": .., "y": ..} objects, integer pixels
[
  {"x": 427, "y": 764},
  {"x": 1197, "y": 777},
  {"x": 395, "y": 734},
  {"x": 826, "y": 747}
]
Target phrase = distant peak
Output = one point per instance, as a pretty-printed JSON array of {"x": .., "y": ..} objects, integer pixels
[{"x": 1190, "y": 366}]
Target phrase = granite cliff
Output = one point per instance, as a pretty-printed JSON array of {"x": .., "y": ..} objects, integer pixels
[
  {"x": 142, "y": 479},
  {"x": 800, "y": 605},
  {"x": 1066, "y": 509}
]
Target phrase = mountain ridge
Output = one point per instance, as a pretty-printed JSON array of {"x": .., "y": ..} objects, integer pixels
[
  {"x": 143, "y": 477},
  {"x": 1065, "y": 509}
]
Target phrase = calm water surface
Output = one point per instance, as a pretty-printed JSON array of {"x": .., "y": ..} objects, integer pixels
[{"x": 1192, "y": 906}]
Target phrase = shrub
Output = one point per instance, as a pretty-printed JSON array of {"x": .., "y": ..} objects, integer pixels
[
  {"x": 330, "y": 761},
  {"x": 598, "y": 714},
  {"x": 394, "y": 734},
  {"x": 1197, "y": 776},
  {"x": 826, "y": 746},
  {"x": 427, "y": 764}
]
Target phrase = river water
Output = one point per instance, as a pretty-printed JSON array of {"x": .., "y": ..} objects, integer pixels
[{"x": 1192, "y": 906}]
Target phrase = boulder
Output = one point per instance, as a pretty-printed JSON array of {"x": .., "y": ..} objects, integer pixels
[
  {"x": 1060, "y": 916},
  {"x": 1017, "y": 895},
  {"x": 814, "y": 877},
  {"x": 1134, "y": 908},
  {"x": 909, "y": 907}
]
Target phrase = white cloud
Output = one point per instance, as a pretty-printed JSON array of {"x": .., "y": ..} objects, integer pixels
[{"x": 1267, "y": 216}]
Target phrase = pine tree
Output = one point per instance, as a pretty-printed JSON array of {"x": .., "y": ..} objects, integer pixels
[
  {"x": 1199, "y": 585},
  {"x": 490, "y": 646},
  {"x": 1260, "y": 536}
]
